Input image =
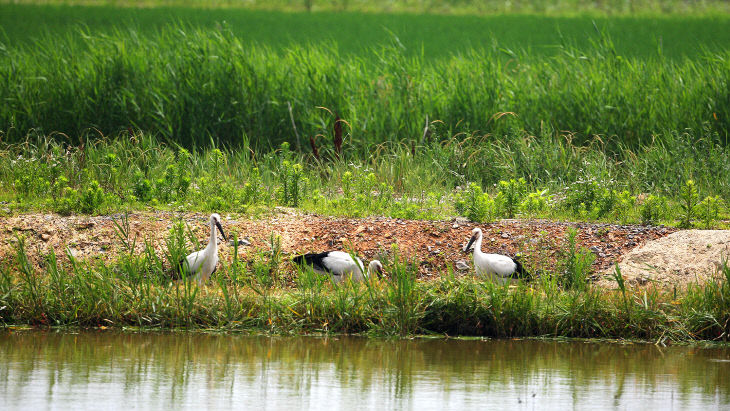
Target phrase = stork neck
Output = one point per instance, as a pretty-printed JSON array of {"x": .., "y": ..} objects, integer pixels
[
  {"x": 212, "y": 241},
  {"x": 478, "y": 245}
]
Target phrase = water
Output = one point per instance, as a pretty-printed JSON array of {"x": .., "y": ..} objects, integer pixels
[{"x": 110, "y": 370}]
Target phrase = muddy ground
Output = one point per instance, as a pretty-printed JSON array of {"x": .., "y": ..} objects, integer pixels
[{"x": 435, "y": 245}]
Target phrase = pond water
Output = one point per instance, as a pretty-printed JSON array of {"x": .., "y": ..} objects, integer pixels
[{"x": 113, "y": 370}]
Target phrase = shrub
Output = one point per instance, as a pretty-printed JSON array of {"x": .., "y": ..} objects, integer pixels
[
  {"x": 142, "y": 187},
  {"x": 581, "y": 194},
  {"x": 653, "y": 209},
  {"x": 688, "y": 203},
  {"x": 708, "y": 210},
  {"x": 534, "y": 202},
  {"x": 91, "y": 198},
  {"x": 475, "y": 204},
  {"x": 510, "y": 195}
]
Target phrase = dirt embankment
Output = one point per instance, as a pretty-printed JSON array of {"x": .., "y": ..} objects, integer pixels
[
  {"x": 436, "y": 245},
  {"x": 683, "y": 257}
]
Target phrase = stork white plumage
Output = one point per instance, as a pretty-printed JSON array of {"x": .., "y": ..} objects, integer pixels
[
  {"x": 201, "y": 264},
  {"x": 500, "y": 268},
  {"x": 339, "y": 265}
]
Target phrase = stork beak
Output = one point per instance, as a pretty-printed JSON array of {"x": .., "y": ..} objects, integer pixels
[
  {"x": 217, "y": 224},
  {"x": 470, "y": 243}
]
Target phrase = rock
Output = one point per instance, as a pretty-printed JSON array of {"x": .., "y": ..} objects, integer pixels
[
  {"x": 455, "y": 226},
  {"x": 241, "y": 242},
  {"x": 505, "y": 235},
  {"x": 595, "y": 249},
  {"x": 462, "y": 265},
  {"x": 45, "y": 237},
  {"x": 461, "y": 220}
]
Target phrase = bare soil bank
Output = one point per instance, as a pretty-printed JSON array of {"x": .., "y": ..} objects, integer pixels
[{"x": 647, "y": 255}]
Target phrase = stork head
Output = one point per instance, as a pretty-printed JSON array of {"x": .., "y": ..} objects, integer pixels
[
  {"x": 375, "y": 267},
  {"x": 476, "y": 234},
  {"x": 216, "y": 219}
]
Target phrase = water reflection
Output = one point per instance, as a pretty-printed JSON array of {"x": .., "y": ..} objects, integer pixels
[{"x": 164, "y": 370}]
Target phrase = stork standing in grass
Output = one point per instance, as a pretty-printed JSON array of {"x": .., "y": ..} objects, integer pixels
[
  {"x": 339, "y": 265},
  {"x": 500, "y": 268},
  {"x": 201, "y": 264}
]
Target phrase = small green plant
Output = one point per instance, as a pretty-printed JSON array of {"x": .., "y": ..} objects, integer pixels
[
  {"x": 604, "y": 202},
  {"x": 535, "y": 202},
  {"x": 708, "y": 210},
  {"x": 581, "y": 194},
  {"x": 688, "y": 198},
  {"x": 92, "y": 198},
  {"x": 475, "y": 204},
  {"x": 347, "y": 184},
  {"x": 253, "y": 189},
  {"x": 68, "y": 201},
  {"x": 142, "y": 187},
  {"x": 653, "y": 209},
  {"x": 510, "y": 195},
  {"x": 292, "y": 183},
  {"x": 625, "y": 203},
  {"x": 576, "y": 265}
]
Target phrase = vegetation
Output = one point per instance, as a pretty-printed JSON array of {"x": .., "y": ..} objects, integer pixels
[
  {"x": 354, "y": 34},
  {"x": 105, "y": 175},
  {"x": 191, "y": 86},
  {"x": 136, "y": 291},
  {"x": 444, "y": 6},
  {"x": 196, "y": 114}
]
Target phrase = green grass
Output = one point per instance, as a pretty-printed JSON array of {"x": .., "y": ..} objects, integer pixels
[
  {"x": 354, "y": 34},
  {"x": 559, "y": 7},
  {"x": 135, "y": 291},
  {"x": 190, "y": 86},
  {"x": 517, "y": 177}
]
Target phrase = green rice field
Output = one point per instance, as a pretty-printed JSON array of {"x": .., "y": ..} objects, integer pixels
[{"x": 353, "y": 33}]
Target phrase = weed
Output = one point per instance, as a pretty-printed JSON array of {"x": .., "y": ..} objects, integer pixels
[
  {"x": 688, "y": 203},
  {"x": 475, "y": 204},
  {"x": 653, "y": 209},
  {"x": 576, "y": 263},
  {"x": 535, "y": 202},
  {"x": 510, "y": 196},
  {"x": 708, "y": 210}
]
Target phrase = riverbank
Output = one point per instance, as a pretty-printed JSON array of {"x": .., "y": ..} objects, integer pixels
[{"x": 126, "y": 283}]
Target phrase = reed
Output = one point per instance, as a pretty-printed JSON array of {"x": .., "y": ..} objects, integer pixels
[{"x": 192, "y": 86}]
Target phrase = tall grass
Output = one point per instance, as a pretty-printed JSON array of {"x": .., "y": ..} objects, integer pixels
[
  {"x": 478, "y": 177},
  {"x": 85, "y": 294},
  {"x": 192, "y": 86}
]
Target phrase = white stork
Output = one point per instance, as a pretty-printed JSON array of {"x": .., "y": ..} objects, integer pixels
[
  {"x": 339, "y": 265},
  {"x": 201, "y": 264},
  {"x": 500, "y": 268}
]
